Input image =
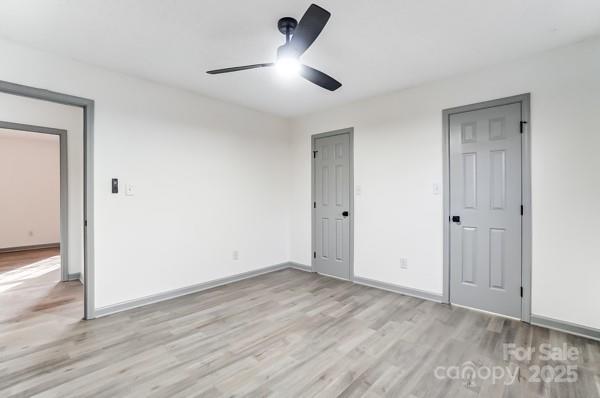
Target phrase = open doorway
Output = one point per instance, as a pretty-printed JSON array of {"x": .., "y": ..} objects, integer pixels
[
  {"x": 34, "y": 255},
  {"x": 34, "y": 203}
]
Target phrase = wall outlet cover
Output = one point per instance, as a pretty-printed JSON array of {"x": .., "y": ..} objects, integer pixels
[{"x": 404, "y": 263}]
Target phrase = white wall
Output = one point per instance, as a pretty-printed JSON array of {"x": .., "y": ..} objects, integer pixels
[
  {"x": 209, "y": 178},
  {"x": 30, "y": 195},
  {"x": 47, "y": 114},
  {"x": 398, "y": 157}
]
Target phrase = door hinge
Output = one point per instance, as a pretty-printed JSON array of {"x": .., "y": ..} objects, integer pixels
[
  {"x": 521, "y": 209},
  {"x": 314, "y": 205},
  {"x": 521, "y": 123},
  {"x": 314, "y": 254},
  {"x": 85, "y": 223},
  {"x": 521, "y": 291},
  {"x": 315, "y": 154}
]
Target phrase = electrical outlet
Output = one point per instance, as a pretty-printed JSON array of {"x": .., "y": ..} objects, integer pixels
[
  {"x": 403, "y": 263},
  {"x": 235, "y": 255}
]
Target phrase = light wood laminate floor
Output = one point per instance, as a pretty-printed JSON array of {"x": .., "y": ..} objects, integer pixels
[{"x": 286, "y": 334}]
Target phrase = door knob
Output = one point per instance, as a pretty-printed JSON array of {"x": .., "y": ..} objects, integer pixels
[
  {"x": 456, "y": 219},
  {"x": 345, "y": 213}
]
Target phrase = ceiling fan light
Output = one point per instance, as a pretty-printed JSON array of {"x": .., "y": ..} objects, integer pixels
[{"x": 287, "y": 66}]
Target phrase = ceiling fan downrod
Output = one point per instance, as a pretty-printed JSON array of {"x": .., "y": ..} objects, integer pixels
[{"x": 287, "y": 25}]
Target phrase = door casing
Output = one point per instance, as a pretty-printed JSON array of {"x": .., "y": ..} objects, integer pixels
[
  {"x": 524, "y": 100},
  {"x": 314, "y": 137},
  {"x": 89, "y": 309}
]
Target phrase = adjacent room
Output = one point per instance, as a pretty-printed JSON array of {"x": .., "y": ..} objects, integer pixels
[
  {"x": 296, "y": 199},
  {"x": 33, "y": 271}
]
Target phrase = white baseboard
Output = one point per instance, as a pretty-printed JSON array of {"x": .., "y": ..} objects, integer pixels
[
  {"x": 549, "y": 323},
  {"x": 29, "y": 247},
  {"x": 76, "y": 276},
  {"x": 301, "y": 267},
  {"x": 566, "y": 327},
  {"x": 171, "y": 294},
  {"x": 407, "y": 291}
]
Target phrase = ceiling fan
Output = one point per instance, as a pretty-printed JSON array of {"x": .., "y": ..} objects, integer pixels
[{"x": 298, "y": 38}]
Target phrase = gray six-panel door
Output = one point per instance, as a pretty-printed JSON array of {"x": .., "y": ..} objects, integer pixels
[
  {"x": 332, "y": 205},
  {"x": 485, "y": 202}
]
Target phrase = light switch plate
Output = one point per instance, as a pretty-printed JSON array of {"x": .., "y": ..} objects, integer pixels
[{"x": 129, "y": 190}]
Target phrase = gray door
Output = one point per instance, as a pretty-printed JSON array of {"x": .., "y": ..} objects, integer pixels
[
  {"x": 485, "y": 192},
  {"x": 332, "y": 206}
]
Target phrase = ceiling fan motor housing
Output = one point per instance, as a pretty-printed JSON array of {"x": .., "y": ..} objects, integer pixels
[
  {"x": 286, "y": 25},
  {"x": 286, "y": 51}
]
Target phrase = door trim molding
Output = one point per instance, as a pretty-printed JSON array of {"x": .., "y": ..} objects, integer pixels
[
  {"x": 64, "y": 190},
  {"x": 525, "y": 101},
  {"x": 88, "y": 176},
  {"x": 313, "y": 138}
]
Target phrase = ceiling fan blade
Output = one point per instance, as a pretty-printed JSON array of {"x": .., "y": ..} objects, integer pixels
[
  {"x": 310, "y": 26},
  {"x": 319, "y": 78},
  {"x": 238, "y": 68}
]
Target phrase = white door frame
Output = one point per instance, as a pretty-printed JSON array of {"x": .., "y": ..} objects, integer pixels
[
  {"x": 524, "y": 100},
  {"x": 313, "y": 148},
  {"x": 64, "y": 190},
  {"x": 88, "y": 177}
]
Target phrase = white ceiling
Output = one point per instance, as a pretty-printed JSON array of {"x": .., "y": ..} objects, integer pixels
[{"x": 371, "y": 46}]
